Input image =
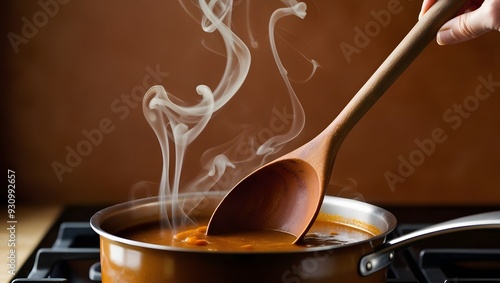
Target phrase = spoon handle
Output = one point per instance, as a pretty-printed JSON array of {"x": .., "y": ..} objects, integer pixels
[{"x": 408, "y": 49}]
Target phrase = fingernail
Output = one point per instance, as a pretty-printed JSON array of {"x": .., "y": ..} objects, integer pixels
[
  {"x": 420, "y": 15},
  {"x": 439, "y": 38}
]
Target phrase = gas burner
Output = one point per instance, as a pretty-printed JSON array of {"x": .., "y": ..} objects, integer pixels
[
  {"x": 70, "y": 258},
  {"x": 460, "y": 265},
  {"x": 465, "y": 257}
]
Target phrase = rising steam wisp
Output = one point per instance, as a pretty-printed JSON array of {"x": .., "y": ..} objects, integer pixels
[{"x": 177, "y": 125}]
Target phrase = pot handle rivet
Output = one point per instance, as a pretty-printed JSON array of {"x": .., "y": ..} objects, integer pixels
[{"x": 369, "y": 266}]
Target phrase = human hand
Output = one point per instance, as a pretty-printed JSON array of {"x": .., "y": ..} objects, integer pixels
[{"x": 475, "y": 19}]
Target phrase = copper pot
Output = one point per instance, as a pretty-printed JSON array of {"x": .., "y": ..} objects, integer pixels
[{"x": 125, "y": 260}]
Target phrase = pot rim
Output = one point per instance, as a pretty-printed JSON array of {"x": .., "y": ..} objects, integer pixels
[{"x": 379, "y": 214}]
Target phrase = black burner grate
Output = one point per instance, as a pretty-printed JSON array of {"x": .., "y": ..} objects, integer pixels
[{"x": 69, "y": 259}]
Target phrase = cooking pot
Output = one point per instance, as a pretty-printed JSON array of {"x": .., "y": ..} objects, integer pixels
[{"x": 125, "y": 260}]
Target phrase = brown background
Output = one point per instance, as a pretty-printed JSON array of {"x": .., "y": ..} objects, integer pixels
[{"x": 67, "y": 76}]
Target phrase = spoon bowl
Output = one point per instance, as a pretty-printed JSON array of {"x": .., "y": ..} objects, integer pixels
[
  {"x": 286, "y": 187},
  {"x": 286, "y": 194}
]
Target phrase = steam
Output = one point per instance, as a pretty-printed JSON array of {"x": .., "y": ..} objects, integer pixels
[
  {"x": 348, "y": 190},
  {"x": 177, "y": 124},
  {"x": 276, "y": 143}
]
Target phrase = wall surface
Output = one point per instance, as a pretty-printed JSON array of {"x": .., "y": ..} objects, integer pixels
[{"x": 74, "y": 74}]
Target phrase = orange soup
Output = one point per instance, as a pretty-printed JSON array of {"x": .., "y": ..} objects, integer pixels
[{"x": 326, "y": 230}]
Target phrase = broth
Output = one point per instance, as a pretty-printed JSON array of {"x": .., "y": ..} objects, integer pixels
[{"x": 327, "y": 230}]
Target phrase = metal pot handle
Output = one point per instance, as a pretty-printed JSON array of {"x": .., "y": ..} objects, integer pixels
[{"x": 384, "y": 255}]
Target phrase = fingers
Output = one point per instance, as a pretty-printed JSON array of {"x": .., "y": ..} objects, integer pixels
[
  {"x": 468, "y": 26},
  {"x": 475, "y": 18},
  {"x": 426, "y": 4},
  {"x": 469, "y": 6},
  {"x": 459, "y": 29}
]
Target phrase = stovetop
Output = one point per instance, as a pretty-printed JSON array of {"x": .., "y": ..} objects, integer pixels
[{"x": 70, "y": 250}]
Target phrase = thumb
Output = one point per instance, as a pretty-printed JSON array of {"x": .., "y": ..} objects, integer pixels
[{"x": 464, "y": 27}]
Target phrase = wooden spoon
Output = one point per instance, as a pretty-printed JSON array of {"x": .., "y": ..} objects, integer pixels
[{"x": 286, "y": 194}]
